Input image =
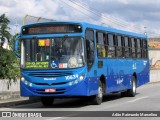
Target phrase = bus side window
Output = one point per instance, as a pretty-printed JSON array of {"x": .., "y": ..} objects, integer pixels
[
  {"x": 139, "y": 48},
  {"x": 111, "y": 47},
  {"x": 126, "y": 47},
  {"x": 101, "y": 44},
  {"x": 119, "y": 47},
  {"x": 144, "y": 48},
  {"x": 133, "y": 50},
  {"x": 90, "y": 48}
]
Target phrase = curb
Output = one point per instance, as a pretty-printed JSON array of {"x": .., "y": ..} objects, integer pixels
[{"x": 155, "y": 82}]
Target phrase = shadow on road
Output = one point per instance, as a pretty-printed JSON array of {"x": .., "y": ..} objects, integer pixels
[{"x": 71, "y": 102}]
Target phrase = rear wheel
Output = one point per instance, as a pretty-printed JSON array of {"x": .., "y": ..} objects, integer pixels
[
  {"x": 97, "y": 99},
  {"x": 47, "y": 101},
  {"x": 132, "y": 92}
]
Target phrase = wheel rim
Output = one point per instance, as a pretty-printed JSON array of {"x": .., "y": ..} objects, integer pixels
[
  {"x": 100, "y": 94},
  {"x": 134, "y": 86}
]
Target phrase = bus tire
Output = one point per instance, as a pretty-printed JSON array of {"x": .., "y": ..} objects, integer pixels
[
  {"x": 47, "y": 101},
  {"x": 132, "y": 92},
  {"x": 97, "y": 99}
]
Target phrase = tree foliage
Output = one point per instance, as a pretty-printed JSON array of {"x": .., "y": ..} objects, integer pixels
[
  {"x": 9, "y": 64},
  {"x": 4, "y": 29}
]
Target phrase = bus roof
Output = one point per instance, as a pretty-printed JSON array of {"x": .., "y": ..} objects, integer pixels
[{"x": 94, "y": 26}]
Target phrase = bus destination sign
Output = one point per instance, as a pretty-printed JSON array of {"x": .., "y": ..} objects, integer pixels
[
  {"x": 51, "y": 29},
  {"x": 41, "y": 30}
]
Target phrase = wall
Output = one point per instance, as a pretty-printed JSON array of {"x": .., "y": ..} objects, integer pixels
[
  {"x": 154, "y": 55},
  {"x": 13, "y": 87}
]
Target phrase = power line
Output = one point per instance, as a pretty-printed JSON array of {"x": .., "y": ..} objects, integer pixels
[
  {"x": 112, "y": 20},
  {"x": 97, "y": 13},
  {"x": 93, "y": 9},
  {"x": 78, "y": 10}
]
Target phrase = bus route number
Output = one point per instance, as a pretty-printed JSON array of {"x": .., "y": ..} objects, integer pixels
[{"x": 71, "y": 77}]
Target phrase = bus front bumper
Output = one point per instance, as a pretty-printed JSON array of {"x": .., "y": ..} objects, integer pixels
[{"x": 79, "y": 89}]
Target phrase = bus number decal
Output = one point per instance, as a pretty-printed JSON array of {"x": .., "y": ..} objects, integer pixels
[
  {"x": 71, "y": 77},
  {"x": 134, "y": 66},
  {"x": 119, "y": 81},
  {"x": 144, "y": 62}
]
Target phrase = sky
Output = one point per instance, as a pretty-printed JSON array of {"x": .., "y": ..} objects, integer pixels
[{"x": 133, "y": 15}]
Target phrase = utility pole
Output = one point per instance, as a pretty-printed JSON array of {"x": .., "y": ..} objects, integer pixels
[{"x": 145, "y": 30}]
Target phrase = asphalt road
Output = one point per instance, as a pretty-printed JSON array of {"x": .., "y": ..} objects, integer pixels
[{"x": 147, "y": 99}]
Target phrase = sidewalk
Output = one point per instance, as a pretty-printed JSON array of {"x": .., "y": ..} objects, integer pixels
[{"x": 13, "y": 98}]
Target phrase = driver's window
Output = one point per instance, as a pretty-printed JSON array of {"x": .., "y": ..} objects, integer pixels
[{"x": 90, "y": 48}]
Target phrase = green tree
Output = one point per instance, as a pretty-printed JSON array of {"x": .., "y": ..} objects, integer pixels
[
  {"x": 4, "y": 30},
  {"x": 9, "y": 63}
]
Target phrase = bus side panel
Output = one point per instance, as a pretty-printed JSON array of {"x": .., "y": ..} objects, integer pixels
[
  {"x": 144, "y": 76},
  {"x": 93, "y": 83}
]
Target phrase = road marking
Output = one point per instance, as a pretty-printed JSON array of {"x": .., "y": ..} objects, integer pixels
[
  {"x": 55, "y": 118},
  {"x": 138, "y": 99}
]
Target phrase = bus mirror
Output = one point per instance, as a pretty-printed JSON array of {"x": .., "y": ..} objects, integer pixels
[{"x": 16, "y": 46}]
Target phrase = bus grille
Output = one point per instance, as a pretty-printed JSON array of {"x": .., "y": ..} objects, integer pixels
[
  {"x": 60, "y": 83},
  {"x": 49, "y": 74}
]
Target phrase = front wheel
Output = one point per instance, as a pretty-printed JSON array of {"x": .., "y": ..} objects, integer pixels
[
  {"x": 97, "y": 99},
  {"x": 47, "y": 101}
]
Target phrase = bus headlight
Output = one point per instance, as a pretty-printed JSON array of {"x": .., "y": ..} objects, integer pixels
[
  {"x": 26, "y": 82},
  {"x": 70, "y": 83},
  {"x": 22, "y": 79},
  {"x": 81, "y": 77},
  {"x": 76, "y": 81},
  {"x": 30, "y": 84}
]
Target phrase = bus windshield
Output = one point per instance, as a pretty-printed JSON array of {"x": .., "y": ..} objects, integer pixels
[{"x": 53, "y": 53}]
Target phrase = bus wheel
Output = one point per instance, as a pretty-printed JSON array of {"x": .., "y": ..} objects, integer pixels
[
  {"x": 47, "y": 101},
  {"x": 97, "y": 100},
  {"x": 132, "y": 92}
]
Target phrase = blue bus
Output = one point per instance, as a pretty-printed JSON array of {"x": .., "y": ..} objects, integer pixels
[{"x": 77, "y": 59}]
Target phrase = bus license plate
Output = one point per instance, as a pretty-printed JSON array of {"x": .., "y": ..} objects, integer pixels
[{"x": 50, "y": 90}]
